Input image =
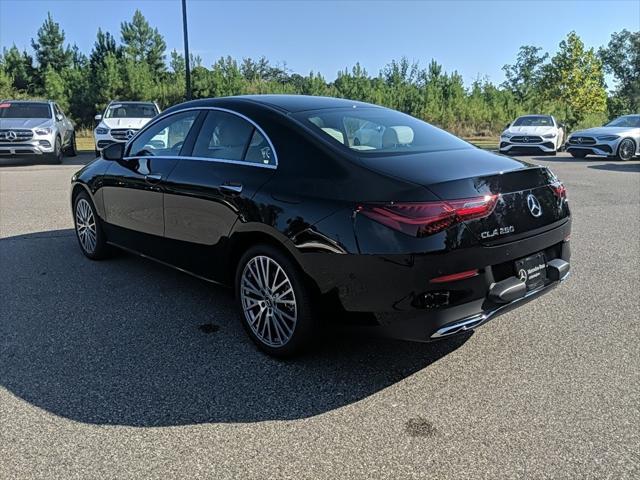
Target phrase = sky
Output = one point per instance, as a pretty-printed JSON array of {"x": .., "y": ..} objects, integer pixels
[{"x": 476, "y": 38}]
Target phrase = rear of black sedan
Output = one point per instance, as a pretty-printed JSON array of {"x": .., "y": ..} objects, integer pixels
[{"x": 310, "y": 206}]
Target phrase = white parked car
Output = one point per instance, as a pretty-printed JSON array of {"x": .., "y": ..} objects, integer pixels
[
  {"x": 32, "y": 128},
  {"x": 533, "y": 134},
  {"x": 619, "y": 138},
  {"x": 121, "y": 121}
]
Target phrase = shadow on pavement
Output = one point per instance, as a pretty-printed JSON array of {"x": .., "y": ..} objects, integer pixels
[
  {"x": 83, "y": 157},
  {"x": 129, "y": 342},
  {"x": 618, "y": 167}
]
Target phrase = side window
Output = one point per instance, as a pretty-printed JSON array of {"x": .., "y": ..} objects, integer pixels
[
  {"x": 223, "y": 136},
  {"x": 56, "y": 110},
  {"x": 259, "y": 150},
  {"x": 164, "y": 138}
]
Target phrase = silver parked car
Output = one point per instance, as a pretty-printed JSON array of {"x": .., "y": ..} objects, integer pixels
[
  {"x": 35, "y": 128},
  {"x": 619, "y": 138}
]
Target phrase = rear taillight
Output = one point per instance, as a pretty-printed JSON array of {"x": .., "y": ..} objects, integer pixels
[
  {"x": 560, "y": 190},
  {"x": 427, "y": 218}
]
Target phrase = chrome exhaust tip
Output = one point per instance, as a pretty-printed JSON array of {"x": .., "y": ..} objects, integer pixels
[{"x": 461, "y": 326}]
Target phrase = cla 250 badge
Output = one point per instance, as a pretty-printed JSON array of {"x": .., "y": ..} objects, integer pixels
[{"x": 497, "y": 232}]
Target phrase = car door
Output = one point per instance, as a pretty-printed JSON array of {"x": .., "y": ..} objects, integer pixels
[
  {"x": 133, "y": 187},
  {"x": 210, "y": 189}
]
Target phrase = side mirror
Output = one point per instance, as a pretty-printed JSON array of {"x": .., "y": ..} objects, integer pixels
[
  {"x": 97, "y": 118},
  {"x": 59, "y": 117},
  {"x": 507, "y": 127},
  {"x": 115, "y": 151}
]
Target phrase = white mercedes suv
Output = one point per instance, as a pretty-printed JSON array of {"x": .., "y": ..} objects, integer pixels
[
  {"x": 121, "y": 121},
  {"x": 35, "y": 129},
  {"x": 532, "y": 134}
]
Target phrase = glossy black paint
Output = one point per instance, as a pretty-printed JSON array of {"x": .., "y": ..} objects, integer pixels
[{"x": 177, "y": 210}]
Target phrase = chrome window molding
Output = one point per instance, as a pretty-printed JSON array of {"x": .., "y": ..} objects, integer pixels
[
  {"x": 207, "y": 159},
  {"x": 210, "y": 159}
]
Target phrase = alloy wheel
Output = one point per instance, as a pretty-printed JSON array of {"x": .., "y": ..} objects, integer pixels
[
  {"x": 268, "y": 301},
  {"x": 86, "y": 226},
  {"x": 626, "y": 149}
]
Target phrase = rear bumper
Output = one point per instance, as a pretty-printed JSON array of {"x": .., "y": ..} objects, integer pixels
[
  {"x": 397, "y": 290},
  {"x": 447, "y": 325}
]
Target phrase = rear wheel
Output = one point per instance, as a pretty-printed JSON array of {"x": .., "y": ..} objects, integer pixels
[
  {"x": 626, "y": 150},
  {"x": 88, "y": 229},
  {"x": 578, "y": 154},
  {"x": 274, "y": 302}
]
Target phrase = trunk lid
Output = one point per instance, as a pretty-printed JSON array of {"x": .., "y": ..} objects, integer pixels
[{"x": 527, "y": 204}]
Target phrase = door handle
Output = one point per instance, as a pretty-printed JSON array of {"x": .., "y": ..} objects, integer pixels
[
  {"x": 153, "y": 178},
  {"x": 234, "y": 188}
]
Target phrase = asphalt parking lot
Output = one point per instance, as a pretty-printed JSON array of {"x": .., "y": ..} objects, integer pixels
[{"x": 108, "y": 369}]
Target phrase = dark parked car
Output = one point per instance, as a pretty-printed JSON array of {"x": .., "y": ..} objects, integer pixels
[{"x": 309, "y": 205}]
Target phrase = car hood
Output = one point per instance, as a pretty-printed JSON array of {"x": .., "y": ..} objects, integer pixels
[
  {"x": 443, "y": 166},
  {"x": 125, "y": 122},
  {"x": 531, "y": 130},
  {"x": 605, "y": 131},
  {"x": 25, "y": 122}
]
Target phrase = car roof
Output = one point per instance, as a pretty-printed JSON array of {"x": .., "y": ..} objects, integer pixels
[
  {"x": 285, "y": 103},
  {"x": 45, "y": 102},
  {"x": 132, "y": 101}
]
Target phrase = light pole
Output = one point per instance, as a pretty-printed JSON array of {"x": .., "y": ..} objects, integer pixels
[{"x": 186, "y": 50}]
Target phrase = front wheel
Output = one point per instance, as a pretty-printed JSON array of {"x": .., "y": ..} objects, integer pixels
[
  {"x": 72, "y": 149},
  {"x": 56, "y": 155},
  {"x": 626, "y": 150},
  {"x": 88, "y": 229},
  {"x": 274, "y": 302}
]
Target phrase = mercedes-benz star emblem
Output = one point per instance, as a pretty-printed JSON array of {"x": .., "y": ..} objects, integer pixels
[
  {"x": 534, "y": 206},
  {"x": 525, "y": 139},
  {"x": 579, "y": 140},
  {"x": 129, "y": 134},
  {"x": 522, "y": 275},
  {"x": 11, "y": 135}
]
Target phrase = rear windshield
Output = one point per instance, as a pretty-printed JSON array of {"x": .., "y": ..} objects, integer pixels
[
  {"x": 534, "y": 121},
  {"x": 131, "y": 110},
  {"x": 24, "y": 110},
  {"x": 370, "y": 131}
]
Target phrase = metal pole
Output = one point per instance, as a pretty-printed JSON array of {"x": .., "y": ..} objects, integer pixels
[{"x": 186, "y": 49}]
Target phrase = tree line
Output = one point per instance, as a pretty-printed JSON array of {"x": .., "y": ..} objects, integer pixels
[{"x": 569, "y": 84}]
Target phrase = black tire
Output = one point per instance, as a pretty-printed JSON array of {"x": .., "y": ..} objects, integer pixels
[
  {"x": 303, "y": 329},
  {"x": 626, "y": 150},
  {"x": 72, "y": 149},
  {"x": 578, "y": 154},
  {"x": 100, "y": 249},
  {"x": 97, "y": 153},
  {"x": 57, "y": 154}
]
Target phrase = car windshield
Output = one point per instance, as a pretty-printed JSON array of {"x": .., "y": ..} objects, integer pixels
[
  {"x": 533, "y": 121},
  {"x": 24, "y": 110},
  {"x": 372, "y": 130},
  {"x": 631, "y": 121},
  {"x": 131, "y": 110}
]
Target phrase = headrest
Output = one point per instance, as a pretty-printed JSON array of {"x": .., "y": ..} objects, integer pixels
[
  {"x": 337, "y": 134},
  {"x": 317, "y": 121},
  {"x": 400, "y": 135}
]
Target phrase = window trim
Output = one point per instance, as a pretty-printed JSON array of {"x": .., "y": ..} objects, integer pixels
[{"x": 210, "y": 159}]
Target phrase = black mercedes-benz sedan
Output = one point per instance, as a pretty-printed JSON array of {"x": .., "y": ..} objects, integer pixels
[{"x": 317, "y": 208}]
